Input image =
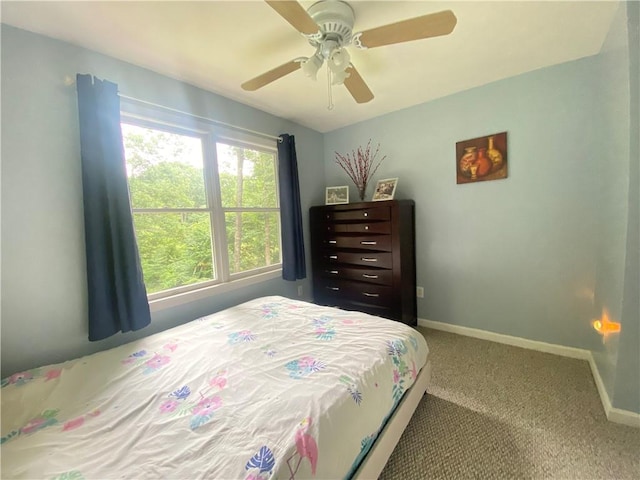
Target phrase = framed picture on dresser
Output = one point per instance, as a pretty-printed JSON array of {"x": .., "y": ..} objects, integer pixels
[
  {"x": 337, "y": 195},
  {"x": 385, "y": 189}
]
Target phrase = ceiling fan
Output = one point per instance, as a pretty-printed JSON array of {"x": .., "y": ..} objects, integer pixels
[{"x": 328, "y": 27}]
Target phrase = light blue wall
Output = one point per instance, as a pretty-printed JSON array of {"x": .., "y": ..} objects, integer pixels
[
  {"x": 513, "y": 256},
  {"x": 627, "y": 384},
  {"x": 618, "y": 265},
  {"x": 613, "y": 188},
  {"x": 43, "y": 271}
]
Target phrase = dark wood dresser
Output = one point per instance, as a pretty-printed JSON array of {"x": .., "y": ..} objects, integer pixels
[{"x": 363, "y": 258}]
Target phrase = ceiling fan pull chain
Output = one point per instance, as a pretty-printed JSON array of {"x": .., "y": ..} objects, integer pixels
[{"x": 330, "y": 106}]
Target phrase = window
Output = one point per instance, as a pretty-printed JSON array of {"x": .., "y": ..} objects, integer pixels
[{"x": 205, "y": 205}]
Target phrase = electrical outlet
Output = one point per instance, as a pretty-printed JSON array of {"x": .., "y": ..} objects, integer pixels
[
  {"x": 419, "y": 292},
  {"x": 300, "y": 290}
]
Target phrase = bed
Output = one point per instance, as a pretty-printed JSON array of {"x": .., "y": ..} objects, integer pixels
[{"x": 271, "y": 388}]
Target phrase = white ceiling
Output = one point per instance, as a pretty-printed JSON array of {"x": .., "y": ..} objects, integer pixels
[{"x": 217, "y": 45}]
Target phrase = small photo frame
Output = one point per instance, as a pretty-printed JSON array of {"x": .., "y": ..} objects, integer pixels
[
  {"x": 337, "y": 195},
  {"x": 385, "y": 189}
]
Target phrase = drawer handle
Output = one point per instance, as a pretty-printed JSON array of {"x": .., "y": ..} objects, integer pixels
[
  {"x": 366, "y": 294},
  {"x": 333, "y": 241},
  {"x": 366, "y": 214},
  {"x": 333, "y": 257},
  {"x": 368, "y": 242},
  {"x": 368, "y": 275},
  {"x": 368, "y": 259},
  {"x": 333, "y": 272},
  {"x": 366, "y": 227},
  {"x": 335, "y": 289},
  {"x": 328, "y": 216}
]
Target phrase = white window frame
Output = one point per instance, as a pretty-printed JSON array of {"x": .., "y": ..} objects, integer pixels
[{"x": 210, "y": 134}]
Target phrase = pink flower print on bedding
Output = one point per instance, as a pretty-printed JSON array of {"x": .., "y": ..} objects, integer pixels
[
  {"x": 204, "y": 410},
  {"x": 219, "y": 381},
  {"x": 268, "y": 312},
  {"x": 303, "y": 367},
  {"x": 20, "y": 378},
  {"x": 52, "y": 374},
  {"x": 171, "y": 347},
  {"x": 48, "y": 419},
  {"x": 44, "y": 420},
  {"x": 151, "y": 364},
  {"x": 208, "y": 405},
  {"x": 169, "y": 406},
  {"x": 79, "y": 421},
  {"x": 306, "y": 362},
  {"x": 156, "y": 362},
  {"x": 176, "y": 400}
]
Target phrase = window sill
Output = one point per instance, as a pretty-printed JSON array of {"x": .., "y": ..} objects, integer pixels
[{"x": 194, "y": 295}]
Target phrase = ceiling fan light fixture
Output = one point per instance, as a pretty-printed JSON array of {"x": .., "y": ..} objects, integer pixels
[
  {"x": 311, "y": 65},
  {"x": 338, "y": 78},
  {"x": 339, "y": 60}
]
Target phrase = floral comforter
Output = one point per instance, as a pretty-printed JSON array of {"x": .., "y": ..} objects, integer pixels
[{"x": 272, "y": 388}]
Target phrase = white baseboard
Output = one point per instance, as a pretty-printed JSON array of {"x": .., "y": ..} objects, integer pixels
[
  {"x": 613, "y": 414},
  {"x": 616, "y": 415},
  {"x": 508, "y": 339}
]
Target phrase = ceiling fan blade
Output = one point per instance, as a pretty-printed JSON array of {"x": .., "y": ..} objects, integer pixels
[
  {"x": 295, "y": 14},
  {"x": 270, "y": 76},
  {"x": 426, "y": 26},
  {"x": 357, "y": 87}
]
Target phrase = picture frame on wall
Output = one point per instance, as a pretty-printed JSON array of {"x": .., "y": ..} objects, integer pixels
[
  {"x": 385, "y": 189},
  {"x": 482, "y": 159},
  {"x": 337, "y": 195}
]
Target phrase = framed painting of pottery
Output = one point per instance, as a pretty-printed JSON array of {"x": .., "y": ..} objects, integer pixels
[{"x": 481, "y": 159}]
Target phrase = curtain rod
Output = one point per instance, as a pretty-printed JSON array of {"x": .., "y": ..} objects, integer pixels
[
  {"x": 69, "y": 81},
  {"x": 207, "y": 119}
]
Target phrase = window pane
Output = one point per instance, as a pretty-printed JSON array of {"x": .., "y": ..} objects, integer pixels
[
  {"x": 175, "y": 249},
  {"x": 165, "y": 169},
  {"x": 253, "y": 239},
  {"x": 247, "y": 177}
]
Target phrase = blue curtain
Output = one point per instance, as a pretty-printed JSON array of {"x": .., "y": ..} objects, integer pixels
[
  {"x": 293, "y": 263},
  {"x": 117, "y": 295}
]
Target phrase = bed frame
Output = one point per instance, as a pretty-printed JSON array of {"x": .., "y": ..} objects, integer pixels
[{"x": 373, "y": 464}]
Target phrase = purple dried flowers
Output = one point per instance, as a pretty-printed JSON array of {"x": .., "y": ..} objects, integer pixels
[{"x": 360, "y": 165}]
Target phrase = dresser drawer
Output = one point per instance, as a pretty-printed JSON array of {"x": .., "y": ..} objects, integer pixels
[
  {"x": 373, "y": 213},
  {"x": 373, "y": 227},
  {"x": 368, "y": 275},
  {"x": 368, "y": 227},
  {"x": 369, "y": 259},
  {"x": 345, "y": 291},
  {"x": 371, "y": 242}
]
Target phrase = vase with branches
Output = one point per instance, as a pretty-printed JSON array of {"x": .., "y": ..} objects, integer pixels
[{"x": 360, "y": 165}]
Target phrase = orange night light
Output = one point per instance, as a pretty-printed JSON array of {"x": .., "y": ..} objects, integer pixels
[{"x": 604, "y": 326}]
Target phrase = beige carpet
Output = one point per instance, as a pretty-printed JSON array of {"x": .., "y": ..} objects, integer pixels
[{"x": 496, "y": 411}]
